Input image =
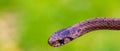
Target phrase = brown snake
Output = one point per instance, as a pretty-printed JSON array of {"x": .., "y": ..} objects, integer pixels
[{"x": 66, "y": 35}]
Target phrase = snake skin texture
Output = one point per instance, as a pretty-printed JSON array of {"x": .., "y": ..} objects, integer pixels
[{"x": 66, "y": 35}]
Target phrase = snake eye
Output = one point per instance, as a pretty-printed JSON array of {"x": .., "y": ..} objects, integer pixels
[{"x": 61, "y": 41}]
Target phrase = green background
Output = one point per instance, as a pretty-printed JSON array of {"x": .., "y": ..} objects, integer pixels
[{"x": 38, "y": 19}]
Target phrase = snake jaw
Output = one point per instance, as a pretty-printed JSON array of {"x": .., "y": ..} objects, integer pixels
[
  {"x": 59, "y": 42},
  {"x": 55, "y": 43}
]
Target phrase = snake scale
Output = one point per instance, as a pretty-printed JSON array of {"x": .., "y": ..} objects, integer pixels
[{"x": 68, "y": 34}]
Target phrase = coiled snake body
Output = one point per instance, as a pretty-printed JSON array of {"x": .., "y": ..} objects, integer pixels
[{"x": 66, "y": 35}]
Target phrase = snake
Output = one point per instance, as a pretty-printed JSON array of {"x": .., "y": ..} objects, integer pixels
[{"x": 70, "y": 33}]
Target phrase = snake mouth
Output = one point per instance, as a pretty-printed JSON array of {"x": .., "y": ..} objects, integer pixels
[
  {"x": 60, "y": 42},
  {"x": 55, "y": 43}
]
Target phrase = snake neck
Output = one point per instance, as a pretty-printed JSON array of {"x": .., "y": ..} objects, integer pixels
[{"x": 99, "y": 24}]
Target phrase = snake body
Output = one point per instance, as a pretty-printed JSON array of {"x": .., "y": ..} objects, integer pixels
[{"x": 68, "y": 34}]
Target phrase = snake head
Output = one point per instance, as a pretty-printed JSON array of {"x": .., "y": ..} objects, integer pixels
[
  {"x": 60, "y": 37},
  {"x": 63, "y": 36}
]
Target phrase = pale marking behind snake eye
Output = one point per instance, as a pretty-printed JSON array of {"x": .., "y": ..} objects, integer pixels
[{"x": 66, "y": 40}]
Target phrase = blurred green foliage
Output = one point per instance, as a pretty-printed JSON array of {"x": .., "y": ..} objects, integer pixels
[{"x": 40, "y": 18}]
